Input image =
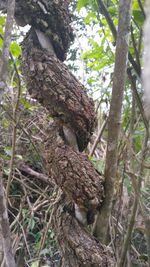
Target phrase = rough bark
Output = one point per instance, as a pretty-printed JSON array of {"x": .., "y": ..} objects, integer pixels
[
  {"x": 51, "y": 83},
  {"x": 114, "y": 120},
  {"x": 62, "y": 94},
  {"x": 77, "y": 245},
  {"x": 50, "y": 17},
  {"x": 73, "y": 173}
]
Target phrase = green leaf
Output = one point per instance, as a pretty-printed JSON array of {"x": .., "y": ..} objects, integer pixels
[
  {"x": 35, "y": 264},
  {"x": 90, "y": 18},
  {"x": 1, "y": 30},
  {"x": 98, "y": 164},
  {"x": 91, "y": 81},
  {"x": 8, "y": 150},
  {"x": 2, "y": 20},
  {"x": 26, "y": 104},
  {"x": 139, "y": 17},
  {"x": 81, "y": 4},
  {"x": 4, "y": 157},
  {"x": 1, "y": 43},
  {"x": 15, "y": 49},
  {"x": 31, "y": 223},
  {"x": 112, "y": 10}
]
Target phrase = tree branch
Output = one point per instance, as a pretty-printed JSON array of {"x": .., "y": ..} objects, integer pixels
[
  {"x": 25, "y": 168},
  {"x": 138, "y": 100},
  {"x": 141, "y": 7},
  {"x": 114, "y": 32},
  {"x": 135, "y": 47},
  {"x": 114, "y": 119},
  {"x": 97, "y": 140},
  {"x": 136, "y": 186}
]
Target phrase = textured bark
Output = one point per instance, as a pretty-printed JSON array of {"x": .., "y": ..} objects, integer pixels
[
  {"x": 73, "y": 173},
  {"x": 52, "y": 84},
  {"x": 77, "y": 245},
  {"x": 50, "y": 17}
]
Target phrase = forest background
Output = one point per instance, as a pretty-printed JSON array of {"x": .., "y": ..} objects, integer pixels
[{"x": 30, "y": 194}]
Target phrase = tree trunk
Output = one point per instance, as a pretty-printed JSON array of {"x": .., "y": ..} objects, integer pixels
[
  {"x": 51, "y": 83},
  {"x": 114, "y": 121}
]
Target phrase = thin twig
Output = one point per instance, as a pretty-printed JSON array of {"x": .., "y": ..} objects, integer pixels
[
  {"x": 134, "y": 211},
  {"x": 138, "y": 100},
  {"x": 97, "y": 140},
  {"x": 105, "y": 12},
  {"x": 23, "y": 130},
  {"x": 14, "y": 132},
  {"x": 142, "y": 8},
  {"x": 135, "y": 47},
  {"x": 23, "y": 232}
]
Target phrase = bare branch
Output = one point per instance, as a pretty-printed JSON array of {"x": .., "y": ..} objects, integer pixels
[
  {"x": 25, "y": 168},
  {"x": 115, "y": 115},
  {"x": 137, "y": 97},
  {"x": 114, "y": 32},
  {"x": 142, "y": 8},
  {"x": 97, "y": 140}
]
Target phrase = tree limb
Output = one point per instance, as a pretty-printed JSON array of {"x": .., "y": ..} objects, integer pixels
[
  {"x": 114, "y": 119},
  {"x": 25, "y": 168}
]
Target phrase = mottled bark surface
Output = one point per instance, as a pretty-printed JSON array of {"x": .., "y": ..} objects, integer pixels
[
  {"x": 78, "y": 246},
  {"x": 52, "y": 84},
  {"x": 73, "y": 172},
  {"x": 50, "y": 17}
]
